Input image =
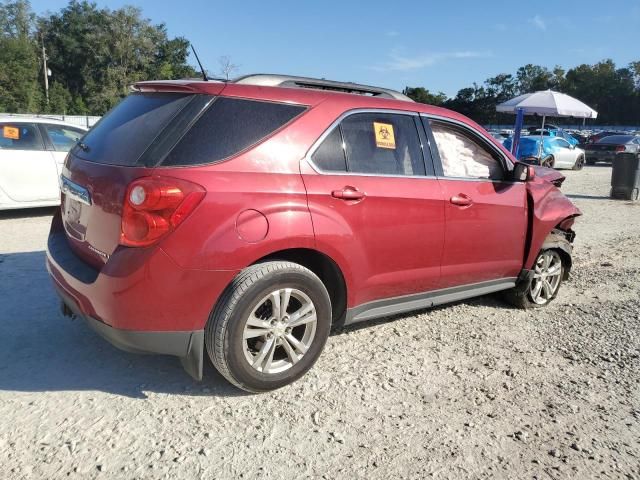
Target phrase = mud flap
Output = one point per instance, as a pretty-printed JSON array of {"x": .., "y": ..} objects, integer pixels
[{"x": 192, "y": 362}]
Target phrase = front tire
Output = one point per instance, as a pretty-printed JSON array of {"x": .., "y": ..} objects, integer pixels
[
  {"x": 269, "y": 326},
  {"x": 543, "y": 287}
]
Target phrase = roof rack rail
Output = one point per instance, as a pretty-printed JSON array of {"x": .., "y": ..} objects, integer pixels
[{"x": 269, "y": 80}]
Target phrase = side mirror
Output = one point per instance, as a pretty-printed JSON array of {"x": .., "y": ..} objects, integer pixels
[{"x": 523, "y": 172}]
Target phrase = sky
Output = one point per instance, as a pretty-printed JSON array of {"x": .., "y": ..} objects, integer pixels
[{"x": 440, "y": 45}]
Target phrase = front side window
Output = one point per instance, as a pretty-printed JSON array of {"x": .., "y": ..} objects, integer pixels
[
  {"x": 464, "y": 156},
  {"x": 382, "y": 143},
  {"x": 63, "y": 137},
  {"x": 20, "y": 136}
]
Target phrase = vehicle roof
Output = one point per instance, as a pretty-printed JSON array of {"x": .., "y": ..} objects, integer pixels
[
  {"x": 34, "y": 119},
  {"x": 304, "y": 96}
]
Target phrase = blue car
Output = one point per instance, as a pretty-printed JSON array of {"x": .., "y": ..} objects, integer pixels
[
  {"x": 551, "y": 151},
  {"x": 556, "y": 132}
]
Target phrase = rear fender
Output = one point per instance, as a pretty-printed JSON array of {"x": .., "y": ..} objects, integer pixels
[{"x": 548, "y": 207}]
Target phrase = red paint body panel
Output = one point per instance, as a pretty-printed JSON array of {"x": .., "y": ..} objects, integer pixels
[
  {"x": 403, "y": 237},
  {"x": 142, "y": 289},
  {"x": 391, "y": 240},
  {"x": 550, "y": 207},
  {"x": 485, "y": 240}
]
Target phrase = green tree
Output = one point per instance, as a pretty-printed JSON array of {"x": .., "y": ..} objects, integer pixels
[
  {"x": 422, "y": 95},
  {"x": 532, "y": 78},
  {"x": 19, "y": 64},
  {"x": 98, "y": 53},
  {"x": 60, "y": 100}
]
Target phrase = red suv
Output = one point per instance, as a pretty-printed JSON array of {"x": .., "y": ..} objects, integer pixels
[{"x": 249, "y": 217}]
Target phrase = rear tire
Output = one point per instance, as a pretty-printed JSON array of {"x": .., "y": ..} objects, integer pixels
[
  {"x": 543, "y": 287},
  {"x": 549, "y": 162},
  {"x": 270, "y": 326},
  {"x": 579, "y": 163}
]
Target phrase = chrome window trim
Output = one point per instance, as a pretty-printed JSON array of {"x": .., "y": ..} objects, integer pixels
[
  {"x": 336, "y": 123},
  {"x": 463, "y": 125}
]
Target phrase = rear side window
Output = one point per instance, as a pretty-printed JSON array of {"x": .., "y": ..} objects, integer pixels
[
  {"x": 63, "y": 137},
  {"x": 330, "y": 154},
  {"x": 383, "y": 144},
  {"x": 20, "y": 136},
  {"x": 123, "y": 134},
  {"x": 227, "y": 127}
]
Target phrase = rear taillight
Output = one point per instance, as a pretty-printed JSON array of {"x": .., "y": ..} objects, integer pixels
[
  {"x": 620, "y": 148},
  {"x": 154, "y": 206}
]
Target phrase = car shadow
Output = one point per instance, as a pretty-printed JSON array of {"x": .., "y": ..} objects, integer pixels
[
  {"x": 40, "y": 350},
  {"x": 28, "y": 212},
  {"x": 588, "y": 197}
]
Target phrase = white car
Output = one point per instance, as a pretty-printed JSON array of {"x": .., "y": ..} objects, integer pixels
[
  {"x": 32, "y": 152},
  {"x": 564, "y": 155}
]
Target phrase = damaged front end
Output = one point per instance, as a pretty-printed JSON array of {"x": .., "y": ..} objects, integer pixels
[
  {"x": 551, "y": 216},
  {"x": 550, "y": 175}
]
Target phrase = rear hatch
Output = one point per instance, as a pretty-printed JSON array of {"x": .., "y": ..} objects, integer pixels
[
  {"x": 123, "y": 146},
  {"x": 150, "y": 129}
]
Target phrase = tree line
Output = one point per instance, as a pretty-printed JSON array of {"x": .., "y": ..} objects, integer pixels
[
  {"x": 613, "y": 92},
  {"x": 94, "y": 55}
]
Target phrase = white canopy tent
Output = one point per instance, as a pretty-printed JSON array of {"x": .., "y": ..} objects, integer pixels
[{"x": 548, "y": 104}]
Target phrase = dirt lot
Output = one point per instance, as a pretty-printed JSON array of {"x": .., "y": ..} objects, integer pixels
[{"x": 472, "y": 390}]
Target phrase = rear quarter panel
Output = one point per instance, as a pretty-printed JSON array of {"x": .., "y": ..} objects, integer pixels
[{"x": 256, "y": 204}]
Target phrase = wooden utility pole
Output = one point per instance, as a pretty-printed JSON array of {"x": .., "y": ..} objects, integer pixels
[{"x": 45, "y": 70}]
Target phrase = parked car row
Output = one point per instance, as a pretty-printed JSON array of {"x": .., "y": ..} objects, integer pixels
[{"x": 557, "y": 148}]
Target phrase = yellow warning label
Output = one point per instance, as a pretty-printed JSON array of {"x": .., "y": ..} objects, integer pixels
[
  {"x": 384, "y": 135},
  {"x": 11, "y": 132}
]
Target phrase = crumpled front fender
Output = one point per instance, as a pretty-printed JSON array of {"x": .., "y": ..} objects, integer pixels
[{"x": 548, "y": 207}]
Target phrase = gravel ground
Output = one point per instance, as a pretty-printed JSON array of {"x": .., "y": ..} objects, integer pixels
[{"x": 472, "y": 390}]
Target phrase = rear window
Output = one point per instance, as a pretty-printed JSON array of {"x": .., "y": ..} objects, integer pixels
[
  {"x": 227, "y": 127},
  {"x": 123, "y": 134}
]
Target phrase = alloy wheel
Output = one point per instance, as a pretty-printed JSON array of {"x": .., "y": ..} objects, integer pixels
[
  {"x": 546, "y": 277},
  {"x": 279, "y": 330}
]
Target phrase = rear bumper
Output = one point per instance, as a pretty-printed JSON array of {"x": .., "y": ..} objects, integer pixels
[
  {"x": 600, "y": 156},
  {"x": 140, "y": 300},
  {"x": 187, "y": 345}
]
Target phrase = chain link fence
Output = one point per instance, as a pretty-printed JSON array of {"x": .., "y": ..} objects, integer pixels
[{"x": 86, "y": 121}]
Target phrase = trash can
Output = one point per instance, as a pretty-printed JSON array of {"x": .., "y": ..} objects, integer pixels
[{"x": 625, "y": 176}]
